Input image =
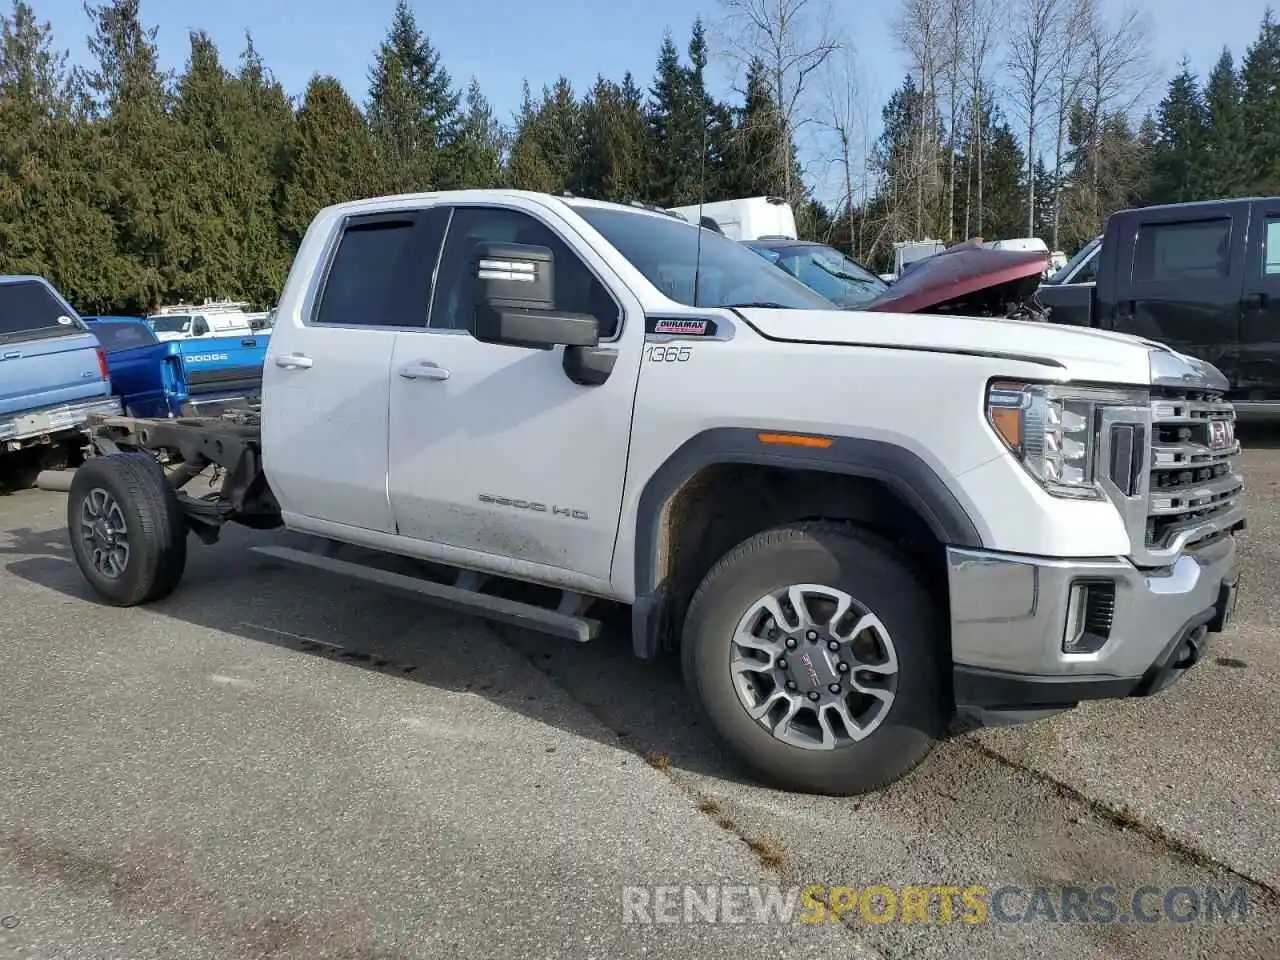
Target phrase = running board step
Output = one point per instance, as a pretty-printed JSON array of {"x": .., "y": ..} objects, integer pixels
[{"x": 517, "y": 614}]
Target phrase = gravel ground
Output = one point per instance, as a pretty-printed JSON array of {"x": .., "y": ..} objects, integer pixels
[{"x": 317, "y": 770}]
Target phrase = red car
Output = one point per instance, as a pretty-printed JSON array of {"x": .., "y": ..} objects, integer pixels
[{"x": 966, "y": 279}]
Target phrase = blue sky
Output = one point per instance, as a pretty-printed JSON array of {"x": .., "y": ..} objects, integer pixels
[{"x": 503, "y": 41}]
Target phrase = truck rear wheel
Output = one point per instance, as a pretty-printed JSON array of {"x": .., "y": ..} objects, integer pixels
[
  {"x": 814, "y": 651},
  {"x": 127, "y": 530}
]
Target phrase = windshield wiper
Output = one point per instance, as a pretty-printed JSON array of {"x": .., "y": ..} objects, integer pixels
[{"x": 763, "y": 304}]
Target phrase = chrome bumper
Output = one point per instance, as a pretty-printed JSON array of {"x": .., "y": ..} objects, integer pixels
[
  {"x": 1012, "y": 617},
  {"x": 16, "y": 430}
]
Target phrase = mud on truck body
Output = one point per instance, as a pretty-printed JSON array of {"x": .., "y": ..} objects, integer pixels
[{"x": 859, "y": 531}]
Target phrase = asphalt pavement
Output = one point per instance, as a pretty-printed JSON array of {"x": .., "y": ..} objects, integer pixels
[{"x": 273, "y": 763}]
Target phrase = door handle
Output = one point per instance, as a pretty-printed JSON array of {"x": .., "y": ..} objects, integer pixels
[
  {"x": 1254, "y": 301},
  {"x": 294, "y": 361},
  {"x": 424, "y": 370}
]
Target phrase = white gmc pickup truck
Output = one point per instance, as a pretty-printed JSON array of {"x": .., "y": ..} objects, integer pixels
[{"x": 861, "y": 531}]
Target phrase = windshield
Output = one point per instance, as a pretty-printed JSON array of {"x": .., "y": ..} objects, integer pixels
[
  {"x": 665, "y": 250},
  {"x": 1088, "y": 273},
  {"x": 826, "y": 270},
  {"x": 173, "y": 324}
]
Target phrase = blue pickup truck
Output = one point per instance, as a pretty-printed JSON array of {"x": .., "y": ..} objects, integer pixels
[
  {"x": 53, "y": 376},
  {"x": 155, "y": 378},
  {"x": 171, "y": 378}
]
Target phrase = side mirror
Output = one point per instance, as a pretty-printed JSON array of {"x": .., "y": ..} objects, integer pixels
[{"x": 514, "y": 300}]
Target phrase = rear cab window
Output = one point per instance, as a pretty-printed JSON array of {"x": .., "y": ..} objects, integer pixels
[
  {"x": 380, "y": 274},
  {"x": 1191, "y": 250},
  {"x": 1271, "y": 248},
  {"x": 29, "y": 310},
  {"x": 115, "y": 337}
]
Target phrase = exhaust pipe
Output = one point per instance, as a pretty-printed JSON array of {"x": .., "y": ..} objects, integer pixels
[{"x": 57, "y": 480}]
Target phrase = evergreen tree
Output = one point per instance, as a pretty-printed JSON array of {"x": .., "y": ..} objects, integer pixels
[
  {"x": 134, "y": 129},
  {"x": 1260, "y": 107},
  {"x": 413, "y": 107},
  {"x": 527, "y": 167},
  {"x": 673, "y": 138},
  {"x": 1004, "y": 193},
  {"x": 266, "y": 129},
  {"x": 1179, "y": 162},
  {"x": 1225, "y": 161},
  {"x": 50, "y": 224},
  {"x": 474, "y": 158},
  {"x": 614, "y": 150},
  {"x": 754, "y": 163},
  {"x": 329, "y": 158}
]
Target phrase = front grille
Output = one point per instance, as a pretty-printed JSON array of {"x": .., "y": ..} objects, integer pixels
[{"x": 1192, "y": 481}]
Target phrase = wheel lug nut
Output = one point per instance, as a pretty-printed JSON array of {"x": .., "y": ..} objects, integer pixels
[
  {"x": 813, "y": 694},
  {"x": 832, "y": 645},
  {"x": 791, "y": 643},
  {"x": 791, "y": 684},
  {"x": 842, "y": 667},
  {"x": 834, "y": 688},
  {"x": 782, "y": 664},
  {"x": 813, "y": 636}
]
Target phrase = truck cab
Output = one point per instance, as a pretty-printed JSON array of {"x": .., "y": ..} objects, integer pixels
[{"x": 1203, "y": 278}]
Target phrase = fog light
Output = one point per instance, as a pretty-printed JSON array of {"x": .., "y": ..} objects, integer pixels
[{"x": 1091, "y": 608}]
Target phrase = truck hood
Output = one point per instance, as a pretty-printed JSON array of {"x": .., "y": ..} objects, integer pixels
[
  {"x": 1087, "y": 354},
  {"x": 958, "y": 272}
]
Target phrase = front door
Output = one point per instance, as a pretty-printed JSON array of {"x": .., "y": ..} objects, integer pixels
[
  {"x": 1259, "y": 379},
  {"x": 493, "y": 448},
  {"x": 327, "y": 372},
  {"x": 1180, "y": 284}
]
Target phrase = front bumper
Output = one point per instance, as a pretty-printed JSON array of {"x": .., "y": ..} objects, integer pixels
[
  {"x": 1011, "y": 617},
  {"x": 37, "y": 426}
]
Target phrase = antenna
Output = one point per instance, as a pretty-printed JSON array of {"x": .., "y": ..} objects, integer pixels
[{"x": 702, "y": 192}]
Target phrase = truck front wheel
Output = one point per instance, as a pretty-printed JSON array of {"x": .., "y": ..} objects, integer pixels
[
  {"x": 127, "y": 531},
  {"x": 814, "y": 652}
]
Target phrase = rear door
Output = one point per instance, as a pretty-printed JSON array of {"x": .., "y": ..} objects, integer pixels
[
  {"x": 1260, "y": 320},
  {"x": 327, "y": 372},
  {"x": 46, "y": 356},
  {"x": 1178, "y": 276}
]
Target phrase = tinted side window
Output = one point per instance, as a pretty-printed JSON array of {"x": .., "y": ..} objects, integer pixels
[
  {"x": 1088, "y": 272},
  {"x": 1271, "y": 248},
  {"x": 122, "y": 336},
  {"x": 200, "y": 327},
  {"x": 1197, "y": 250},
  {"x": 364, "y": 286},
  {"x": 576, "y": 288},
  {"x": 27, "y": 306}
]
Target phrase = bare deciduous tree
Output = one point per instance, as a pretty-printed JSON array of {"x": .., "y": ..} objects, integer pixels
[
  {"x": 793, "y": 38},
  {"x": 980, "y": 48},
  {"x": 921, "y": 30},
  {"x": 1034, "y": 49},
  {"x": 844, "y": 114},
  {"x": 1116, "y": 73}
]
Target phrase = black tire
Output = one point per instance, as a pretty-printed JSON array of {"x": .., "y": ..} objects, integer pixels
[
  {"x": 156, "y": 528},
  {"x": 878, "y": 577}
]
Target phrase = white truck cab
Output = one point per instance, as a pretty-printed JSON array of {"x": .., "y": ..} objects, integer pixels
[
  {"x": 853, "y": 527},
  {"x": 211, "y": 319}
]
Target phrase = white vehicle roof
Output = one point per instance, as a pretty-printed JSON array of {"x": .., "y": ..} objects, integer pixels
[{"x": 748, "y": 218}]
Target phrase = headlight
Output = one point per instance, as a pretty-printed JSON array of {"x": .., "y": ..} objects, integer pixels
[{"x": 1053, "y": 430}]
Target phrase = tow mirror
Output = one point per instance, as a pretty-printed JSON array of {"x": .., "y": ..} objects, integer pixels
[{"x": 515, "y": 300}]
